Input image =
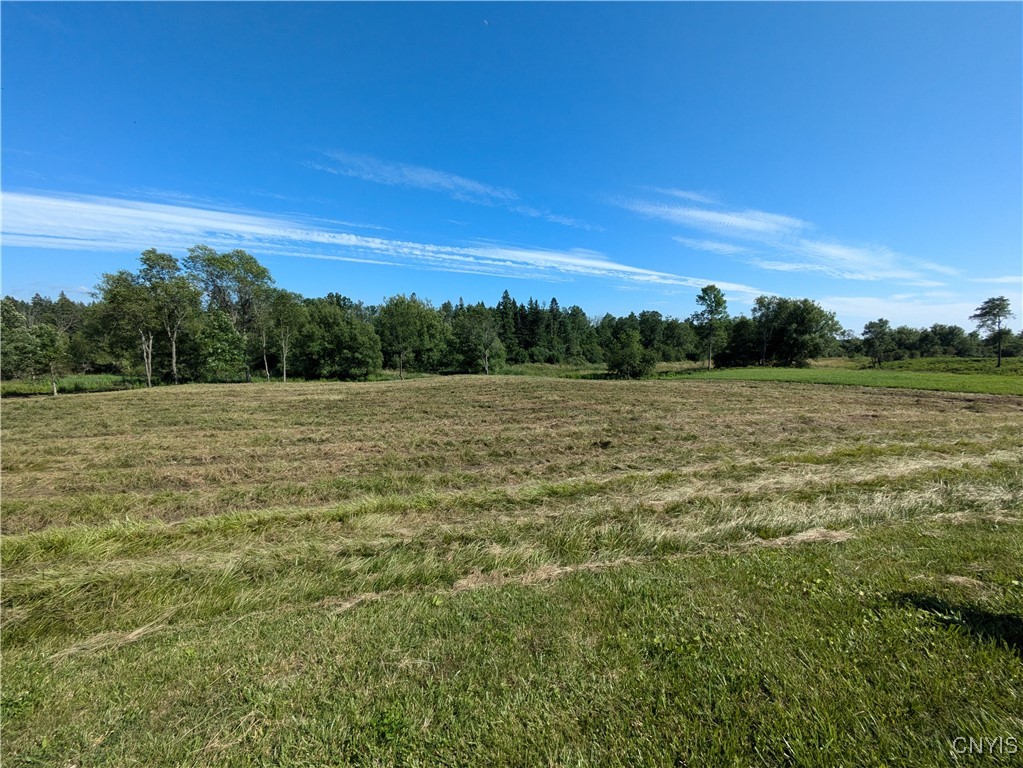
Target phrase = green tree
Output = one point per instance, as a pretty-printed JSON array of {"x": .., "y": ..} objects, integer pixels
[
  {"x": 942, "y": 339},
  {"x": 18, "y": 347},
  {"x": 507, "y": 312},
  {"x": 261, "y": 328},
  {"x": 51, "y": 352},
  {"x": 625, "y": 355},
  {"x": 62, "y": 313},
  {"x": 878, "y": 341},
  {"x": 175, "y": 297},
  {"x": 799, "y": 331},
  {"x": 236, "y": 284},
  {"x": 131, "y": 313},
  {"x": 744, "y": 343},
  {"x": 336, "y": 343},
  {"x": 410, "y": 332},
  {"x": 711, "y": 320},
  {"x": 905, "y": 342},
  {"x": 990, "y": 316},
  {"x": 287, "y": 317},
  {"x": 476, "y": 339},
  {"x": 97, "y": 345},
  {"x": 678, "y": 339},
  {"x": 580, "y": 337},
  {"x": 651, "y": 330},
  {"x": 28, "y": 352},
  {"x": 766, "y": 313},
  {"x": 221, "y": 347},
  {"x": 358, "y": 353}
]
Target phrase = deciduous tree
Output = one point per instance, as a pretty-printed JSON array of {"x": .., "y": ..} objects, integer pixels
[
  {"x": 711, "y": 320},
  {"x": 130, "y": 310},
  {"x": 410, "y": 331},
  {"x": 626, "y": 356},
  {"x": 476, "y": 338},
  {"x": 878, "y": 342},
  {"x": 234, "y": 283},
  {"x": 287, "y": 317},
  {"x": 175, "y": 297}
]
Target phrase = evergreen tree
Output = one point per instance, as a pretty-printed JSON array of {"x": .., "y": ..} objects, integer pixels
[{"x": 507, "y": 311}]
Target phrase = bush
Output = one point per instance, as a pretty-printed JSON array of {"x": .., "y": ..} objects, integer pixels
[{"x": 626, "y": 357}]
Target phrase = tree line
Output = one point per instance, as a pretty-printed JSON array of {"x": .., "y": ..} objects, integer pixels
[{"x": 214, "y": 316}]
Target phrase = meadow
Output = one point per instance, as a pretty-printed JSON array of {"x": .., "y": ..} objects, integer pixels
[
  {"x": 939, "y": 374},
  {"x": 512, "y": 570},
  {"x": 899, "y": 378},
  {"x": 85, "y": 382}
]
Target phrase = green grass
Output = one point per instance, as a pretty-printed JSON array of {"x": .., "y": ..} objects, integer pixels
[
  {"x": 942, "y": 374},
  {"x": 86, "y": 382},
  {"x": 1011, "y": 366},
  {"x": 510, "y": 571},
  {"x": 875, "y": 651},
  {"x": 981, "y": 383}
]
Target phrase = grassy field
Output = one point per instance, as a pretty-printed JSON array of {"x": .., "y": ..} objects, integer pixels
[
  {"x": 1011, "y": 366},
  {"x": 86, "y": 382},
  {"x": 940, "y": 380},
  {"x": 940, "y": 374},
  {"x": 511, "y": 571}
]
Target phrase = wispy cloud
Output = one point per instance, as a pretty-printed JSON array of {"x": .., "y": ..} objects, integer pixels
[
  {"x": 736, "y": 223},
  {"x": 457, "y": 187},
  {"x": 411, "y": 176},
  {"x": 1005, "y": 280},
  {"x": 553, "y": 218},
  {"x": 683, "y": 194},
  {"x": 781, "y": 243},
  {"x": 871, "y": 262},
  {"x": 99, "y": 223},
  {"x": 712, "y": 246}
]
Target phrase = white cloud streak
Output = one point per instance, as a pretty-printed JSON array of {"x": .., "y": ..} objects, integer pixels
[
  {"x": 780, "y": 243},
  {"x": 683, "y": 194},
  {"x": 411, "y": 176},
  {"x": 736, "y": 223},
  {"x": 99, "y": 223},
  {"x": 406, "y": 175},
  {"x": 1005, "y": 280},
  {"x": 712, "y": 246},
  {"x": 553, "y": 218}
]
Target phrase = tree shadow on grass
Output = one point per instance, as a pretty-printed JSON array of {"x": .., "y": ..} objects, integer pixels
[{"x": 1004, "y": 628}]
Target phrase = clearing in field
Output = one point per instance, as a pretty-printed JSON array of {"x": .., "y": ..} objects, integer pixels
[{"x": 511, "y": 571}]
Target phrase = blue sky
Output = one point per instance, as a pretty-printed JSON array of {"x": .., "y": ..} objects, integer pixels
[{"x": 616, "y": 156}]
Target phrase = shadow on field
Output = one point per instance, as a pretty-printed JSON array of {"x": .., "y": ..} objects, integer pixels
[{"x": 1004, "y": 628}]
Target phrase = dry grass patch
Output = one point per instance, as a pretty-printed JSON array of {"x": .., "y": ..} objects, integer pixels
[
  {"x": 109, "y": 640},
  {"x": 176, "y": 453},
  {"x": 812, "y": 536}
]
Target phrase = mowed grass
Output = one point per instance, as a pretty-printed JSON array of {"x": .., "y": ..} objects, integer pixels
[{"x": 511, "y": 571}]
